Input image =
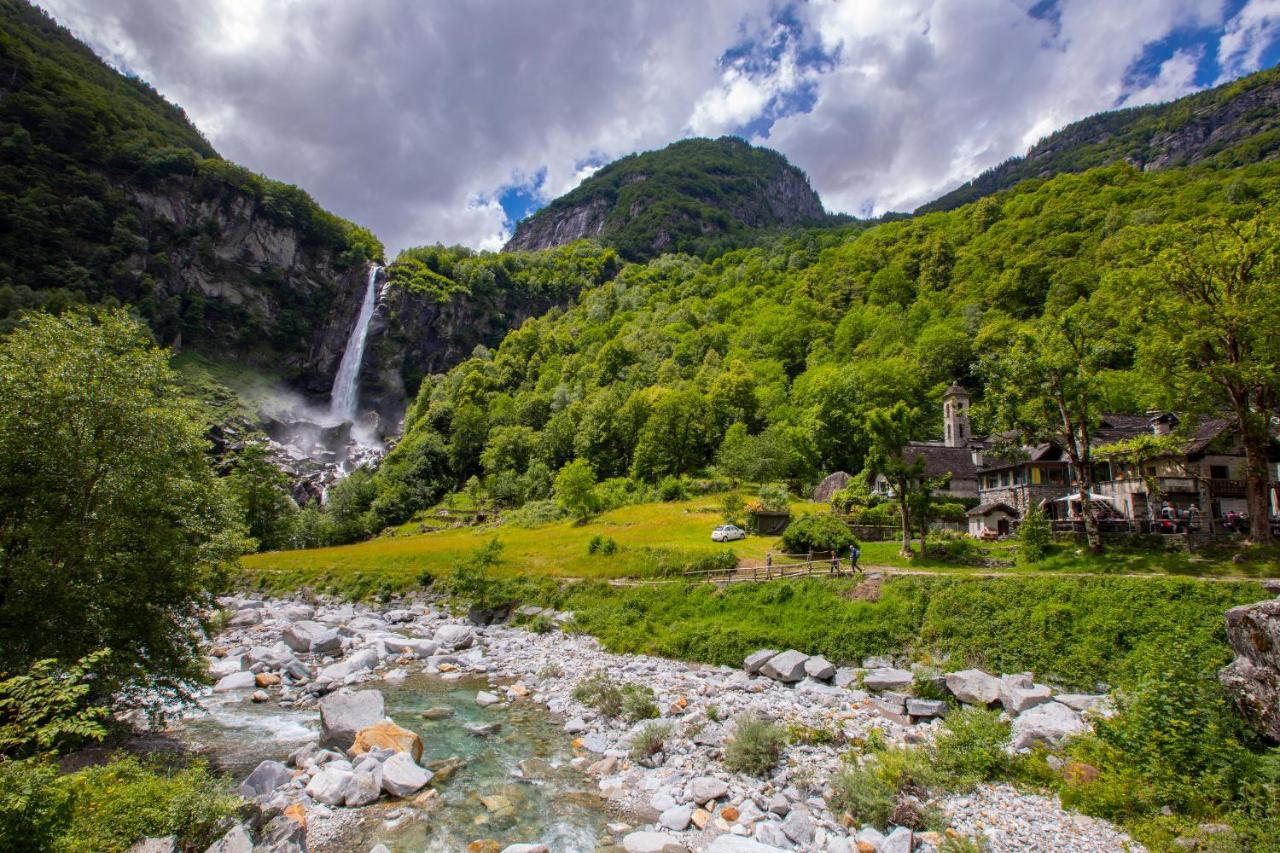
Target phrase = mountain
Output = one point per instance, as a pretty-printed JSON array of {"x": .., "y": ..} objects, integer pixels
[
  {"x": 693, "y": 196},
  {"x": 109, "y": 195},
  {"x": 1231, "y": 125}
]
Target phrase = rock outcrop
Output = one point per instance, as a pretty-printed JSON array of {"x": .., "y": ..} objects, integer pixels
[{"x": 1253, "y": 678}]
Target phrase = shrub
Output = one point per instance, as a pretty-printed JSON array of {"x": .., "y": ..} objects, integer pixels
[
  {"x": 34, "y": 808},
  {"x": 774, "y": 497},
  {"x": 648, "y": 741},
  {"x": 638, "y": 703},
  {"x": 44, "y": 709},
  {"x": 722, "y": 561},
  {"x": 540, "y": 624},
  {"x": 672, "y": 488},
  {"x": 535, "y": 514},
  {"x": 599, "y": 692},
  {"x": 953, "y": 547},
  {"x": 817, "y": 533},
  {"x": 731, "y": 508},
  {"x": 470, "y": 579},
  {"x": 971, "y": 746},
  {"x": 602, "y": 545},
  {"x": 121, "y": 802},
  {"x": 872, "y": 793},
  {"x": 756, "y": 746},
  {"x": 1034, "y": 536}
]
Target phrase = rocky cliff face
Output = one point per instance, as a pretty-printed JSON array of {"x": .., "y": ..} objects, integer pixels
[
  {"x": 690, "y": 196},
  {"x": 249, "y": 288},
  {"x": 1253, "y": 678}
]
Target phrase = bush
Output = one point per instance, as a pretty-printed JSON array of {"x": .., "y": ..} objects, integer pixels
[
  {"x": 722, "y": 561},
  {"x": 638, "y": 703},
  {"x": 1034, "y": 536},
  {"x": 45, "y": 709},
  {"x": 957, "y": 548},
  {"x": 470, "y": 579},
  {"x": 817, "y": 533},
  {"x": 599, "y": 692},
  {"x": 34, "y": 808},
  {"x": 971, "y": 746},
  {"x": 535, "y": 514},
  {"x": 774, "y": 497},
  {"x": 756, "y": 746},
  {"x": 872, "y": 793},
  {"x": 672, "y": 488},
  {"x": 119, "y": 803},
  {"x": 602, "y": 545},
  {"x": 731, "y": 508},
  {"x": 648, "y": 741}
]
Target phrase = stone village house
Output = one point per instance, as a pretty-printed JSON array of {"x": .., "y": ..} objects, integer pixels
[{"x": 1005, "y": 481}]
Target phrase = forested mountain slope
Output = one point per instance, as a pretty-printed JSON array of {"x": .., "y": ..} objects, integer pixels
[
  {"x": 693, "y": 196},
  {"x": 1231, "y": 125},
  {"x": 109, "y": 195},
  {"x": 765, "y": 360}
]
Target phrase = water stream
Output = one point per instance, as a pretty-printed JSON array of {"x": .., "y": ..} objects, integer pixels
[
  {"x": 526, "y": 762},
  {"x": 346, "y": 384}
]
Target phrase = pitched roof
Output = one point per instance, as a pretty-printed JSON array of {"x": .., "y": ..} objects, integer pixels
[
  {"x": 940, "y": 459},
  {"x": 988, "y": 508}
]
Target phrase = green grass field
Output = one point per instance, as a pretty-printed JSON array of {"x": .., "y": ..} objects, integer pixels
[{"x": 642, "y": 533}]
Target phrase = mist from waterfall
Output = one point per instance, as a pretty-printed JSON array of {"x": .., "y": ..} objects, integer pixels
[{"x": 346, "y": 384}]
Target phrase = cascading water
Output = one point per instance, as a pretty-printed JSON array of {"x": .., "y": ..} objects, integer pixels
[{"x": 346, "y": 384}]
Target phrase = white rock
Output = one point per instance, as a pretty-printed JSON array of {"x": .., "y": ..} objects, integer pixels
[
  {"x": 799, "y": 827},
  {"x": 228, "y": 665},
  {"x": 845, "y": 676},
  {"x": 329, "y": 786},
  {"x": 484, "y": 699},
  {"x": 887, "y": 678},
  {"x": 401, "y": 777},
  {"x": 785, "y": 667},
  {"x": 734, "y": 844},
  {"x": 526, "y": 848},
  {"x": 1019, "y": 699},
  {"x": 364, "y": 788},
  {"x": 307, "y": 637},
  {"x": 973, "y": 686},
  {"x": 758, "y": 659},
  {"x": 343, "y": 715},
  {"x": 819, "y": 667},
  {"x": 652, "y": 842},
  {"x": 1049, "y": 723},
  {"x": 676, "y": 818},
  {"x": 455, "y": 636},
  {"x": 706, "y": 788},
  {"x": 769, "y": 832},
  {"x": 898, "y": 841},
  {"x": 235, "y": 841},
  {"x": 575, "y": 726},
  {"x": 235, "y": 681},
  {"x": 1081, "y": 701}
]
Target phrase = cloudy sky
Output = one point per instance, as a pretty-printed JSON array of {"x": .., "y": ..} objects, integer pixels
[{"x": 446, "y": 120}]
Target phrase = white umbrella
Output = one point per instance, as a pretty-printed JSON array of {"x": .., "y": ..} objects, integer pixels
[{"x": 1075, "y": 496}]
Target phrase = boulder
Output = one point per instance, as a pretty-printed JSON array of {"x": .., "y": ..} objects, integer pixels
[
  {"x": 738, "y": 844},
  {"x": 898, "y": 841},
  {"x": 455, "y": 637},
  {"x": 394, "y": 617},
  {"x": 755, "y": 660},
  {"x": 677, "y": 818},
  {"x": 385, "y": 734},
  {"x": 329, "y": 786},
  {"x": 235, "y": 841},
  {"x": 364, "y": 788},
  {"x": 973, "y": 686},
  {"x": 1050, "y": 723},
  {"x": 786, "y": 667},
  {"x": 484, "y": 699},
  {"x": 168, "y": 844},
  {"x": 235, "y": 681},
  {"x": 887, "y": 678},
  {"x": 296, "y": 612},
  {"x": 845, "y": 676},
  {"x": 526, "y": 848},
  {"x": 308, "y": 637},
  {"x": 1253, "y": 678},
  {"x": 362, "y": 660},
  {"x": 245, "y": 618},
  {"x": 1081, "y": 701},
  {"x": 1019, "y": 699},
  {"x": 926, "y": 708},
  {"x": 820, "y": 668},
  {"x": 799, "y": 827},
  {"x": 401, "y": 777},
  {"x": 228, "y": 665},
  {"x": 344, "y": 715},
  {"x": 652, "y": 842},
  {"x": 285, "y": 833},
  {"x": 830, "y": 484},
  {"x": 264, "y": 779},
  {"x": 703, "y": 789},
  {"x": 396, "y": 645},
  {"x": 770, "y": 833}
]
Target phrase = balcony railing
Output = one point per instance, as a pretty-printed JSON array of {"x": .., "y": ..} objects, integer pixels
[{"x": 1227, "y": 488}]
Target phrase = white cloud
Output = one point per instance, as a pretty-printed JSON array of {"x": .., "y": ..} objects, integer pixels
[
  {"x": 1246, "y": 36},
  {"x": 410, "y": 117}
]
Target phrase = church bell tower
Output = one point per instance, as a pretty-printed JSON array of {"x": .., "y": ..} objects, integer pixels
[{"x": 955, "y": 417}]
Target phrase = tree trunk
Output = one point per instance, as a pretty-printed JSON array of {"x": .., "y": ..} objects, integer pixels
[
  {"x": 1091, "y": 534},
  {"x": 906, "y": 520},
  {"x": 1253, "y": 432}
]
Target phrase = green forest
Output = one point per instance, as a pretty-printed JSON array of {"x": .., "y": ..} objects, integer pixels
[{"x": 762, "y": 364}]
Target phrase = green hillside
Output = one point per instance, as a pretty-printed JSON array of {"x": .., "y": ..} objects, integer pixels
[
  {"x": 1231, "y": 125},
  {"x": 763, "y": 363},
  {"x": 694, "y": 196},
  {"x": 85, "y": 148}
]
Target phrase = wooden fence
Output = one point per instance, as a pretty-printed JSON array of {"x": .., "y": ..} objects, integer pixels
[{"x": 826, "y": 564}]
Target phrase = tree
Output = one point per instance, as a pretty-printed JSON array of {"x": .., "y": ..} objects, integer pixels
[
  {"x": 1046, "y": 385},
  {"x": 676, "y": 437},
  {"x": 114, "y": 531},
  {"x": 889, "y": 431},
  {"x": 1210, "y": 338},
  {"x": 575, "y": 489},
  {"x": 258, "y": 487}
]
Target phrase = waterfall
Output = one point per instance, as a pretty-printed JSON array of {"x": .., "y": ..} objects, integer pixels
[{"x": 346, "y": 384}]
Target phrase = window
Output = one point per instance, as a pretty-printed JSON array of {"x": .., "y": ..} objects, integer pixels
[
  {"x": 1219, "y": 472},
  {"x": 1055, "y": 475}
]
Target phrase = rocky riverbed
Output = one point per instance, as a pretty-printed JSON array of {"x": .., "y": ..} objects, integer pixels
[{"x": 332, "y": 673}]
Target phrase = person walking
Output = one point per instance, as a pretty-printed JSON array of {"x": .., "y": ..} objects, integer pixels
[{"x": 854, "y": 554}]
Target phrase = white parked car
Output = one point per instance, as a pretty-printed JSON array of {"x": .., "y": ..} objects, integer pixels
[{"x": 728, "y": 533}]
